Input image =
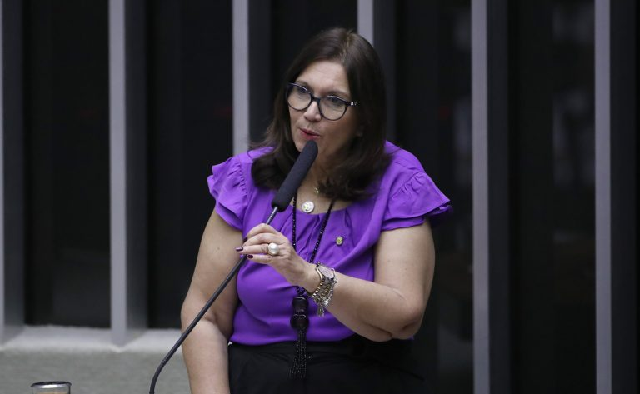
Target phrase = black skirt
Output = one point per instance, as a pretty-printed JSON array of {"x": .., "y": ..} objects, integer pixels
[{"x": 355, "y": 365}]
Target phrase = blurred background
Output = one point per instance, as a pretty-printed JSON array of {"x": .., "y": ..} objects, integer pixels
[{"x": 113, "y": 113}]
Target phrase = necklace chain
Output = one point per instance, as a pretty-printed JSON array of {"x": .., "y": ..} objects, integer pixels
[
  {"x": 294, "y": 239},
  {"x": 299, "y": 319}
]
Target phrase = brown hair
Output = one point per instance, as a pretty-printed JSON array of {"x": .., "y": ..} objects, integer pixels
[{"x": 350, "y": 179}]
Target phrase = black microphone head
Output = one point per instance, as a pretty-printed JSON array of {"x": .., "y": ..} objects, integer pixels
[{"x": 296, "y": 175}]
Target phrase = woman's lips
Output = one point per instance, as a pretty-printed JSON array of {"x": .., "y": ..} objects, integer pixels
[{"x": 309, "y": 134}]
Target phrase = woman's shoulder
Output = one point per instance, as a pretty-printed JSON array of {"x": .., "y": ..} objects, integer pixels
[
  {"x": 411, "y": 193},
  {"x": 235, "y": 172}
]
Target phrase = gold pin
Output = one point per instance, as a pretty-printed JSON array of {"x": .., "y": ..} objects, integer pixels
[{"x": 339, "y": 241}]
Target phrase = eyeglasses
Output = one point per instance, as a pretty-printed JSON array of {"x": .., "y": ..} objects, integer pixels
[{"x": 330, "y": 107}]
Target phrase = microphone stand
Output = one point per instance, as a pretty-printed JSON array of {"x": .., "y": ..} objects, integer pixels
[{"x": 200, "y": 314}]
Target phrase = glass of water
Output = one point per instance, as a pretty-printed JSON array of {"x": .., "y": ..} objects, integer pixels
[{"x": 51, "y": 388}]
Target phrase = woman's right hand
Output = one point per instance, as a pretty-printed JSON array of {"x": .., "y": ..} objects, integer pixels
[{"x": 287, "y": 262}]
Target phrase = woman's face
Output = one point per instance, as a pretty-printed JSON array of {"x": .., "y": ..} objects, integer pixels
[{"x": 333, "y": 137}]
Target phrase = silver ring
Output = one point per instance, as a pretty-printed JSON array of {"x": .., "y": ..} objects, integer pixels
[{"x": 273, "y": 249}]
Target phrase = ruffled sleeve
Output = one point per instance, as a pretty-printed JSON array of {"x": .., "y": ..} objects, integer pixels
[
  {"x": 228, "y": 186},
  {"x": 412, "y": 200}
]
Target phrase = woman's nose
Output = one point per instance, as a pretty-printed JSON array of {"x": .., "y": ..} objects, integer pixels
[{"x": 313, "y": 112}]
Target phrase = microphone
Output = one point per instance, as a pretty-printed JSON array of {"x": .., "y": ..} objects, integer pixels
[
  {"x": 296, "y": 175},
  {"x": 279, "y": 204}
]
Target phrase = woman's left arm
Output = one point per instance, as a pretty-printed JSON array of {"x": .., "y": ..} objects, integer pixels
[
  {"x": 389, "y": 307},
  {"x": 393, "y": 304}
]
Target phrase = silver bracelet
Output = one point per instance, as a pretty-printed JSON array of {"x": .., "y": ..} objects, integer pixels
[{"x": 324, "y": 292}]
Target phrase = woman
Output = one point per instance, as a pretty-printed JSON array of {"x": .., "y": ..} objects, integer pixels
[{"x": 338, "y": 283}]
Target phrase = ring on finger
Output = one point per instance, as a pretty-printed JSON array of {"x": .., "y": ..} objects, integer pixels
[{"x": 273, "y": 249}]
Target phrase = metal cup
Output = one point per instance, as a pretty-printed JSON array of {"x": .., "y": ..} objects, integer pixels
[{"x": 51, "y": 388}]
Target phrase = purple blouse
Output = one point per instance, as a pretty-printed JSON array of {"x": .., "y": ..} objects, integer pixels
[{"x": 405, "y": 196}]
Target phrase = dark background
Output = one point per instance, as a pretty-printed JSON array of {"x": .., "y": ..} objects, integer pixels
[{"x": 426, "y": 49}]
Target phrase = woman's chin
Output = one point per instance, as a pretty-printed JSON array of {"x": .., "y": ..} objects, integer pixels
[{"x": 300, "y": 144}]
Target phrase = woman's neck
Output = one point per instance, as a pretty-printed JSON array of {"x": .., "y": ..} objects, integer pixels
[{"x": 315, "y": 176}]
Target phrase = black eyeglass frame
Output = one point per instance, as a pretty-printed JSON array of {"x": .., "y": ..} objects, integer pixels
[{"x": 348, "y": 104}]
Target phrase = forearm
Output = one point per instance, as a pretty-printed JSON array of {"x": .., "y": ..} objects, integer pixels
[
  {"x": 205, "y": 355},
  {"x": 373, "y": 310},
  {"x": 359, "y": 303}
]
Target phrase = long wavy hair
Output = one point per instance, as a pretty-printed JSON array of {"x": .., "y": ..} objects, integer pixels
[{"x": 351, "y": 178}]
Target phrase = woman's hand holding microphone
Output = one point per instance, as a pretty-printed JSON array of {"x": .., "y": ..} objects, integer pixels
[{"x": 265, "y": 245}]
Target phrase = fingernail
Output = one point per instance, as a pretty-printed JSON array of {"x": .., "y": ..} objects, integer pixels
[{"x": 239, "y": 248}]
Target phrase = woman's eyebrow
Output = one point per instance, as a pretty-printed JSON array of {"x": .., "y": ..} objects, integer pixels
[
  {"x": 339, "y": 93},
  {"x": 336, "y": 92}
]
